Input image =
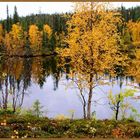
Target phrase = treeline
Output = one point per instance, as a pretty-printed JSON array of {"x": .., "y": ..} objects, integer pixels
[
  {"x": 19, "y": 42},
  {"x": 44, "y": 32},
  {"x": 130, "y": 13},
  {"x": 57, "y": 21},
  {"x": 35, "y": 32}
]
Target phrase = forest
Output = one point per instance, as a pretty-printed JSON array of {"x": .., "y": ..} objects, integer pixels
[
  {"x": 95, "y": 46},
  {"x": 44, "y": 32}
]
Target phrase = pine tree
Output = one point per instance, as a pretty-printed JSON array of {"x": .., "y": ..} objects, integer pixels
[
  {"x": 15, "y": 17},
  {"x": 8, "y": 21}
]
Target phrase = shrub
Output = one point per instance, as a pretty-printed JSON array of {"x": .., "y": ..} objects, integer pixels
[{"x": 25, "y": 126}]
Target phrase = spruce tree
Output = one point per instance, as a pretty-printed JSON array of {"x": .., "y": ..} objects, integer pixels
[
  {"x": 15, "y": 17},
  {"x": 8, "y": 21}
]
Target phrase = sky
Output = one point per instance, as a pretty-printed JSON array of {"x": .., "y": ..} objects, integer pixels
[{"x": 26, "y": 8}]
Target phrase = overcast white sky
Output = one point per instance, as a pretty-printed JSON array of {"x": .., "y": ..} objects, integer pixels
[{"x": 26, "y": 8}]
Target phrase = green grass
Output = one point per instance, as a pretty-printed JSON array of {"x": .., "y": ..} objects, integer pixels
[{"x": 45, "y": 129}]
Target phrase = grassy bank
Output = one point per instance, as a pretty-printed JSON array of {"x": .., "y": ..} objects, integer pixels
[{"x": 33, "y": 127}]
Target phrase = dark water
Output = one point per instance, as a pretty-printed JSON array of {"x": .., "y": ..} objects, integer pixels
[{"x": 23, "y": 81}]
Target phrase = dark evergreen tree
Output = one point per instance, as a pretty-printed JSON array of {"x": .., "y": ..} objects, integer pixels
[
  {"x": 7, "y": 20},
  {"x": 15, "y": 16},
  {"x": 130, "y": 13}
]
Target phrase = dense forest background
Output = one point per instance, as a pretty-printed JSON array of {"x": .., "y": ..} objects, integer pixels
[{"x": 57, "y": 23}]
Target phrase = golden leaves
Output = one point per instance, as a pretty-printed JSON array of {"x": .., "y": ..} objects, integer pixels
[
  {"x": 35, "y": 37},
  {"x": 17, "y": 39},
  {"x": 92, "y": 45},
  {"x": 1, "y": 34},
  {"x": 133, "y": 69},
  {"x": 14, "y": 40},
  {"x": 134, "y": 29},
  {"x": 92, "y": 39},
  {"x": 16, "y": 32},
  {"x": 47, "y": 29}
]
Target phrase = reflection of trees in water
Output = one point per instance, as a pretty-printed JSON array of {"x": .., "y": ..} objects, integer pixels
[
  {"x": 10, "y": 83},
  {"x": 16, "y": 75},
  {"x": 44, "y": 67},
  {"x": 51, "y": 68}
]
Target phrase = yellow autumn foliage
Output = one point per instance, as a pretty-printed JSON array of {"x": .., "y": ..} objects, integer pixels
[
  {"x": 134, "y": 66},
  {"x": 35, "y": 37},
  {"x": 47, "y": 29},
  {"x": 134, "y": 29},
  {"x": 8, "y": 43},
  {"x": 92, "y": 46},
  {"x": 14, "y": 40},
  {"x": 1, "y": 34},
  {"x": 92, "y": 40},
  {"x": 133, "y": 69}
]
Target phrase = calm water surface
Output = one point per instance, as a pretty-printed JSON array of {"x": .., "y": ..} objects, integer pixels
[{"x": 26, "y": 80}]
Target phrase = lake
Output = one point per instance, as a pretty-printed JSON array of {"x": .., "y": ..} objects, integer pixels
[{"x": 23, "y": 81}]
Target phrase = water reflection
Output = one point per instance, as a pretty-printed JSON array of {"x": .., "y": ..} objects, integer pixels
[
  {"x": 23, "y": 80},
  {"x": 17, "y": 74}
]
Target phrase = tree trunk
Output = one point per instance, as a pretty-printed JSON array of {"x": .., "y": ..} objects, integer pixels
[
  {"x": 117, "y": 109},
  {"x": 91, "y": 74},
  {"x": 84, "y": 106},
  {"x": 6, "y": 94},
  {"x": 84, "y": 111},
  {"x": 117, "y": 113},
  {"x": 22, "y": 97},
  {"x": 14, "y": 98},
  {"x": 90, "y": 98}
]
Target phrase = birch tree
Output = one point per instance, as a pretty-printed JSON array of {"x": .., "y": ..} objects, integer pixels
[{"x": 92, "y": 46}]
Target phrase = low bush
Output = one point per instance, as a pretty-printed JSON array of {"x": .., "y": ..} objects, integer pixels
[{"x": 30, "y": 127}]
